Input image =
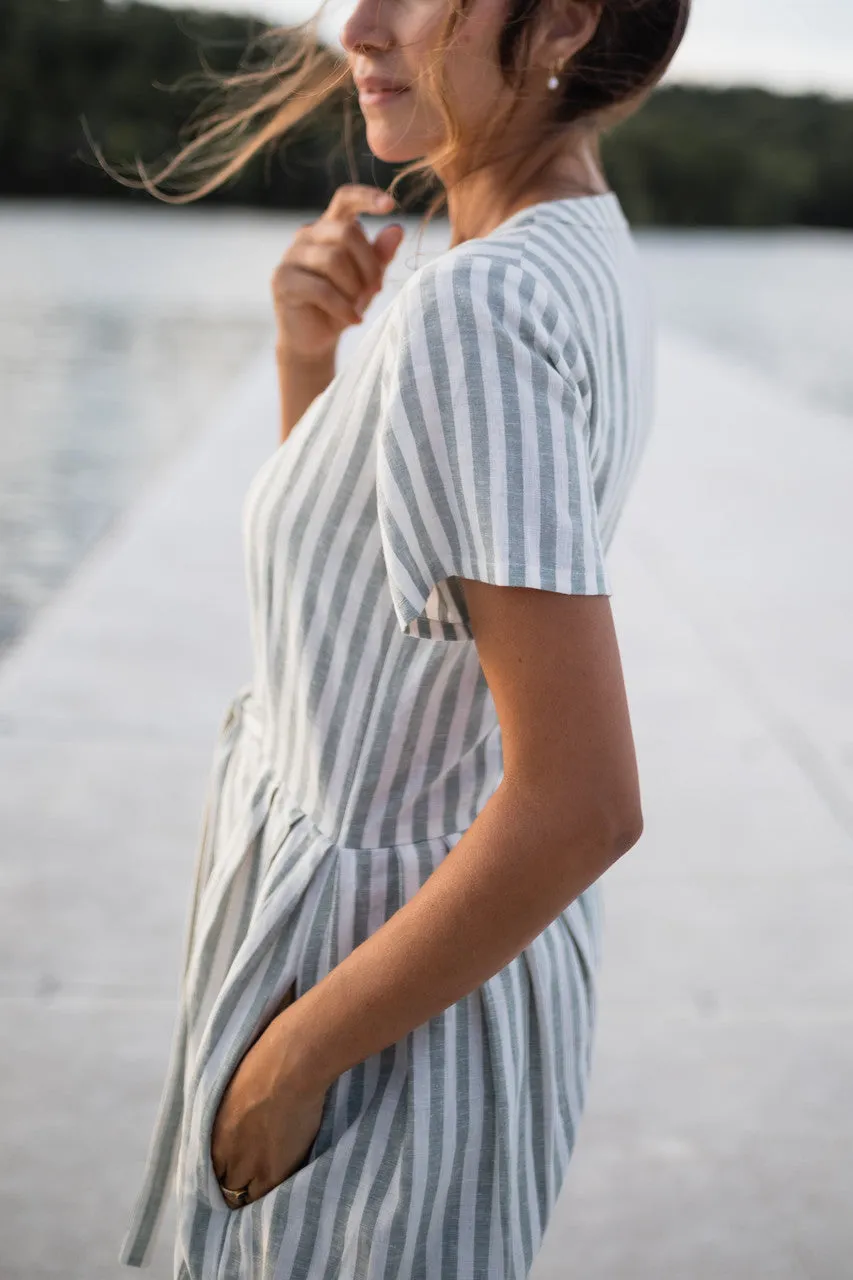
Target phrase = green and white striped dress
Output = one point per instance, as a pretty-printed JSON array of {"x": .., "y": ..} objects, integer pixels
[{"x": 489, "y": 425}]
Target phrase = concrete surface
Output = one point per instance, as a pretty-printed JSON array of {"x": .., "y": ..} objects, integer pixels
[{"x": 717, "y": 1141}]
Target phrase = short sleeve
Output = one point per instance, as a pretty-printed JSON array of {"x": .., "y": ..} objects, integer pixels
[{"x": 483, "y": 452}]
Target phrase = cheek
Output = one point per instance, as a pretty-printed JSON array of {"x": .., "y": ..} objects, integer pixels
[{"x": 474, "y": 80}]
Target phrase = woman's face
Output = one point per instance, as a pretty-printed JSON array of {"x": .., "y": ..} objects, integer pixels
[{"x": 392, "y": 41}]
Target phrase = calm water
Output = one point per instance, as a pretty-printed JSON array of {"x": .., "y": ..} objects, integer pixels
[
  {"x": 780, "y": 301},
  {"x": 120, "y": 331}
]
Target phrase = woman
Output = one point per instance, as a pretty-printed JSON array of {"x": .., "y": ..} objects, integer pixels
[{"x": 387, "y": 1008}]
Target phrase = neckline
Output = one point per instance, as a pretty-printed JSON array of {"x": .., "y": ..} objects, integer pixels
[{"x": 601, "y": 210}]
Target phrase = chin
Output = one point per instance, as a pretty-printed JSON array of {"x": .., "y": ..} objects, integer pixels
[{"x": 391, "y": 151}]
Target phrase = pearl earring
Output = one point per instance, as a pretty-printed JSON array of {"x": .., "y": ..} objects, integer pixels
[{"x": 553, "y": 79}]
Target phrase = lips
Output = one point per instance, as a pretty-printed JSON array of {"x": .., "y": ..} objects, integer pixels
[
  {"x": 372, "y": 84},
  {"x": 379, "y": 97}
]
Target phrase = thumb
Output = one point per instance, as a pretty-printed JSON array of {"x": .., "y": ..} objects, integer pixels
[{"x": 388, "y": 242}]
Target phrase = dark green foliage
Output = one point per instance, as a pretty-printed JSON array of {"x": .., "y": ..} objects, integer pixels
[
  {"x": 691, "y": 156},
  {"x": 735, "y": 158},
  {"x": 133, "y": 73}
]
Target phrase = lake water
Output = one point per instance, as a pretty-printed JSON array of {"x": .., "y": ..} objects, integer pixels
[{"x": 121, "y": 330}]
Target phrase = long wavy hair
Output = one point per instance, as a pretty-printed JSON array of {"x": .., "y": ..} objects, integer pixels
[{"x": 268, "y": 97}]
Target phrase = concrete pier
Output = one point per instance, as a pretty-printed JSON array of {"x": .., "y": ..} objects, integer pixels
[{"x": 717, "y": 1141}]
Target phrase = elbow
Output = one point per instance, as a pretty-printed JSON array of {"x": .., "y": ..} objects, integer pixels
[
  {"x": 620, "y": 813},
  {"x": 627, "y": 833},
  {"x": 614, "y": 828},
  {"x": 602, "y": 838},
  {"x": 608, "y": 825}
]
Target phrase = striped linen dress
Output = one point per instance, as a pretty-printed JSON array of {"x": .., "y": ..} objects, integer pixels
[{"x": 489, "y": 425}]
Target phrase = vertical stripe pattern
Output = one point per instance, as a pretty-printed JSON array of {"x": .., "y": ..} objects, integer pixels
[{"x": 489, "y": 425}]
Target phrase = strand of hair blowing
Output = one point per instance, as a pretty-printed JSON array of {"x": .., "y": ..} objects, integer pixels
[{"x": 261, "y": 104}]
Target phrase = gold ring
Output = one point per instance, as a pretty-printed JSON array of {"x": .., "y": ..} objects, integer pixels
[{"x": 235, "y": 1199}]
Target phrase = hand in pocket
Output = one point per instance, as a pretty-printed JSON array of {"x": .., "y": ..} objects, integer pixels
[{"x": 266, "y": 1124}]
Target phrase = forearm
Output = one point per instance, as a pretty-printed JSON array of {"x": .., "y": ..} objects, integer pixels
[
  {"x": 300, "y": 382},
  {"x": 508, "y": 877}
]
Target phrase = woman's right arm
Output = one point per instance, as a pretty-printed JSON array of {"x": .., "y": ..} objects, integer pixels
[
  {"x": 300, "y": 381},
  {"x": 322, "y": 285}
]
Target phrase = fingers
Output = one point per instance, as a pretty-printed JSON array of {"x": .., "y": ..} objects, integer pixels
[
  {"x": 331, "y": 270},
  {"x": 388, "y": 242},
  {"x": 341, "y": 252},
  {"x": 312, "y": 288},
  {"x": 340, "y": 219},
  {"x": 353, "y": 198}
]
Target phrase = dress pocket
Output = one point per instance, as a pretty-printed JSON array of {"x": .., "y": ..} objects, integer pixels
[
  {"x": 211, "y": 1082},
  {"x": 258, "y": 985}
]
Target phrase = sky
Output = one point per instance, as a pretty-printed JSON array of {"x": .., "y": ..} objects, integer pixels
[{"x": 790, "y": 47}]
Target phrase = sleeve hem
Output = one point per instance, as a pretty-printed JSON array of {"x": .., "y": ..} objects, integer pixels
[{"x": 412, "y": 620}]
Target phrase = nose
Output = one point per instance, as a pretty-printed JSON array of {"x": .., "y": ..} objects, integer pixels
[{"x": 364, "y": 29}]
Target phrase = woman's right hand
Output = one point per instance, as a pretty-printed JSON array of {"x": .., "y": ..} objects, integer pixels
[{"x": 329, "y": 268}]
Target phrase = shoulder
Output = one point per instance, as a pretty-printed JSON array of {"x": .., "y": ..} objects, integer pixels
[
  {"x": 548, "y": 294},
  {"x": 479, "y": 293},
  {"x": 545, "y": 251},
  {"x": 483, "y": 269}
]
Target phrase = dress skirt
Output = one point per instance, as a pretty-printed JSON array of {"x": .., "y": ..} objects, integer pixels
[{"x": 439, "y": 1158}]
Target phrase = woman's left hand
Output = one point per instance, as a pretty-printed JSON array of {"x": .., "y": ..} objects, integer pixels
[{"x": 266, "y": 1124}]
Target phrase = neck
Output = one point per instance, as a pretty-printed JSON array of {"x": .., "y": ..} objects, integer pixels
[{"x": 484, "y": 199}]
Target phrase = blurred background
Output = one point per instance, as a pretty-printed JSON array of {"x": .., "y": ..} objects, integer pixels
[
  {"x": 136, "y": 399},
  {"x": 122, "y": 319}
]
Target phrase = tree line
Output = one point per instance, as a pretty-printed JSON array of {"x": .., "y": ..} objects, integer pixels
[{"x": 691, "y": 156}]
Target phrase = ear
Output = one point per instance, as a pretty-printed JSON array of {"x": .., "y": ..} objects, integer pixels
[{"x": 565, "y": 27}]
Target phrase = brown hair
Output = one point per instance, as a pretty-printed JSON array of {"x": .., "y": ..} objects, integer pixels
[{"x": 633, "y": 44}]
